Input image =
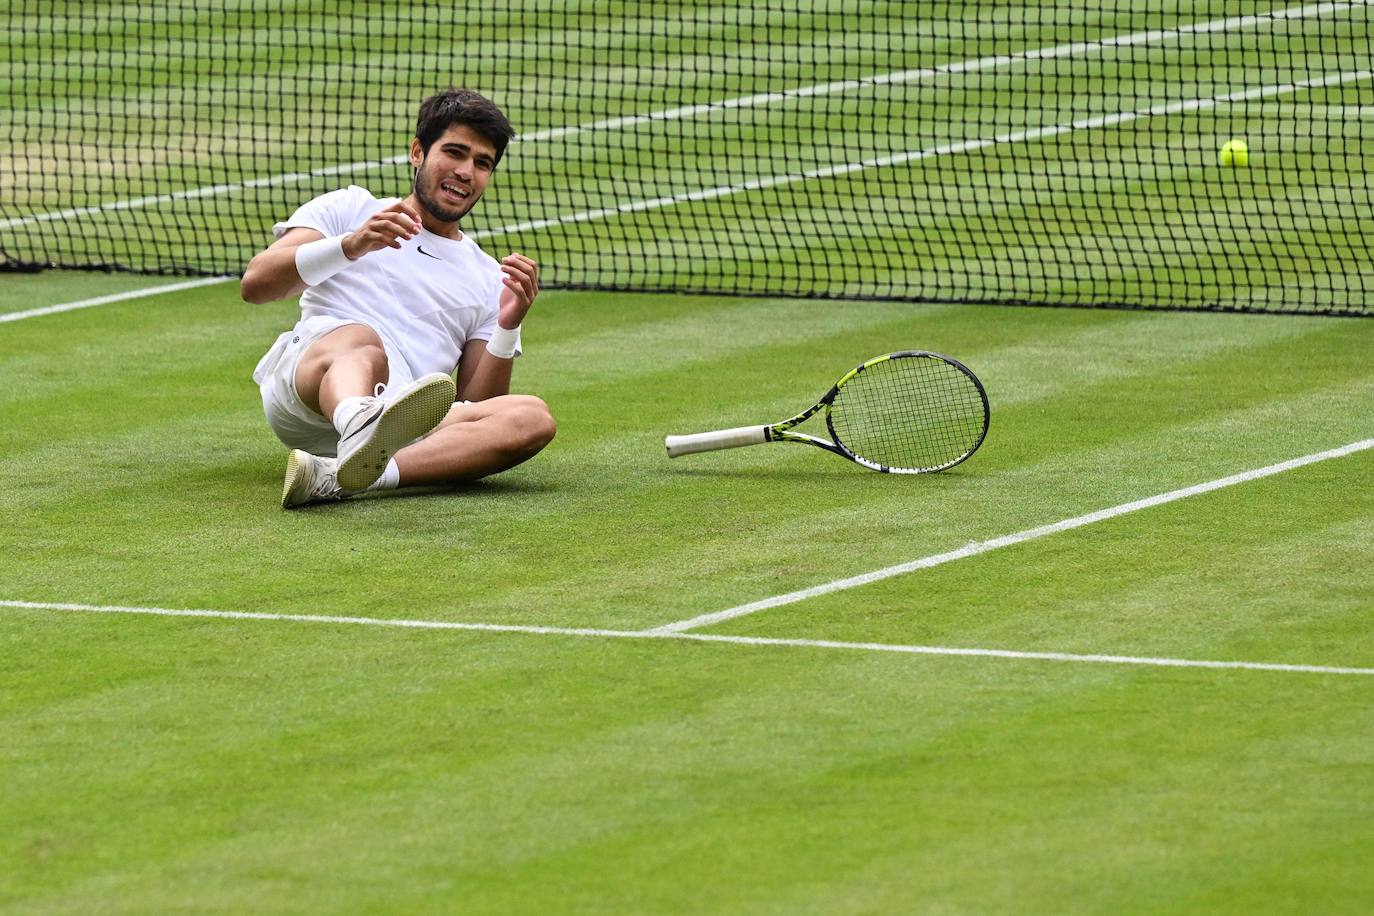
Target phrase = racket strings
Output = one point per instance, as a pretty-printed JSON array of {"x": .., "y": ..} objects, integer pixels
[{"x": 913, "y": 413}]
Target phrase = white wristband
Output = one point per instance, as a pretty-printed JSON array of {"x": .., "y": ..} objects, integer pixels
[
  {"x": 321, "y": 259},
  {"x": 504, "y": 342}
]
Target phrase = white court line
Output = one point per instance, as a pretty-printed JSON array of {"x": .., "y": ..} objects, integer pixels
[
  {"x": 1007, "y": 540},
  {"x": 699, "y": 637},
  {"x": 974, "y": 65},
  {"x": 1073, "y": 49},
  {"x": 964, "y": 146},
  {"x": 113, "y": 297}
]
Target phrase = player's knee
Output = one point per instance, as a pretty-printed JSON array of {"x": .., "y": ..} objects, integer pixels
[
  {"x": 362, "y": 344},
  {"x": 373, "y": 355},
  {"x": 530, "y": 424},
  {"x": 355, "y": 345}
]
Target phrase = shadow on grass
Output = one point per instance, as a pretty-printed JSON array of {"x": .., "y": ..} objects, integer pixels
[
  {"x": 841, "y": 474},
  {"x": 481, "y": 490}
]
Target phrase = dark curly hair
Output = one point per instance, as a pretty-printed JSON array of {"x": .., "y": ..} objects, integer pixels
[{"x": 463, "y": 106}]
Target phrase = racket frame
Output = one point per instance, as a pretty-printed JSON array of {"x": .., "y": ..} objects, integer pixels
[{"x": 783, "y": 431}]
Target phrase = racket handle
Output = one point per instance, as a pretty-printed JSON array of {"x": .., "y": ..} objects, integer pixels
[{"x": 713, "y": 441}]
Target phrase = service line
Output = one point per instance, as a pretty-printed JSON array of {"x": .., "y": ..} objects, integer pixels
[
  {"x": 823, "y": 644},
  {"x": 1008, "y": 540},
  {"x": 113, "y": 297}
]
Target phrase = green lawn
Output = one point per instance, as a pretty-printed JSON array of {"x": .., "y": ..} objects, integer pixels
[
  {"x": 527, "y": 745},
  {"x": 160, "y": 763}
]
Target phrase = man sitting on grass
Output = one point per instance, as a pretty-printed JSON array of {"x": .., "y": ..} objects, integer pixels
[{"x": 394, "y": 300}]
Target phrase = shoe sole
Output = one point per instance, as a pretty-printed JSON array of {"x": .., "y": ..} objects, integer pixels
[
  {"x": 402, "y": 421},
  {"x": 294, "y": 468}
]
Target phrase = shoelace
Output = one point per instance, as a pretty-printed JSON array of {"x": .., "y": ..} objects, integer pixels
[
  {"x": 326, "y": 486},
  {"x": 324, "y": 482}
]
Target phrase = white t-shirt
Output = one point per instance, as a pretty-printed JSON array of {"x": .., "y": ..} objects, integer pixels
[{"x": 425, "y": 300}]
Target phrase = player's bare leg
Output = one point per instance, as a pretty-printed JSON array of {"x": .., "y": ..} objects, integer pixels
[
  {"x": 478, "y": 439},
  {"x": 347, "y": 362},
  {"x": 471, "y": 442},
  {"x": 338, "y": 376}
]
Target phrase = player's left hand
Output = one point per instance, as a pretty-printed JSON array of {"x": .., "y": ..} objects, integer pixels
[{"x": 522, "y": 285}]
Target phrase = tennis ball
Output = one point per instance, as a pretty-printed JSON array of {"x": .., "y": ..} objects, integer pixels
[{"x": 1235, "y": 152}]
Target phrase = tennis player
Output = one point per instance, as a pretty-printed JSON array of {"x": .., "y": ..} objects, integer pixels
[{"x": 395, "y": 300}]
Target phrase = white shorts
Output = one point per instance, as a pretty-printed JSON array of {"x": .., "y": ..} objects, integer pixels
[{"x": 294, "y": 423}]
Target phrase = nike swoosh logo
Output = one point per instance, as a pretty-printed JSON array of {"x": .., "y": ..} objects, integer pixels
[
  {"x": 373, "y": 419},
  {"x": 421, "y": 249}
]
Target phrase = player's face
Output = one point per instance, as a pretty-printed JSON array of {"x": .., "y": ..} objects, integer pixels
[{"x": 453, "y": 174}]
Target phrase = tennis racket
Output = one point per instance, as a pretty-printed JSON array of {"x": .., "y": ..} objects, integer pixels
[{"x": 911, "y": 412}]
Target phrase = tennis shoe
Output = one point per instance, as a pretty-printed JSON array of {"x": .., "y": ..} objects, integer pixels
[
  {"x": 387, "y": 423},
  {"x": 309, "y": 479}
]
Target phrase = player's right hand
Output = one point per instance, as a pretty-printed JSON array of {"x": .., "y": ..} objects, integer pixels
[{"x": 384, "y": 229}]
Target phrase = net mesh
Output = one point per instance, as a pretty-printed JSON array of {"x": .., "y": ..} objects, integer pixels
[
  {"x": 913, "y": 412},
  {"x": 997, "y": 151}
]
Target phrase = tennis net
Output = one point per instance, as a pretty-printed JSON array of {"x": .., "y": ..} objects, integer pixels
[{"x": 986, "y": 151}]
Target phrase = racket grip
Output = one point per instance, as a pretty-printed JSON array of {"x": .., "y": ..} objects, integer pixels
[{"x": 714, "y": 441}]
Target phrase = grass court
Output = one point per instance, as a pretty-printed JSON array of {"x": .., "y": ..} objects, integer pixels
[
  {"x": 502, "y": 697},
  {"x": 159, "y": 762}
]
